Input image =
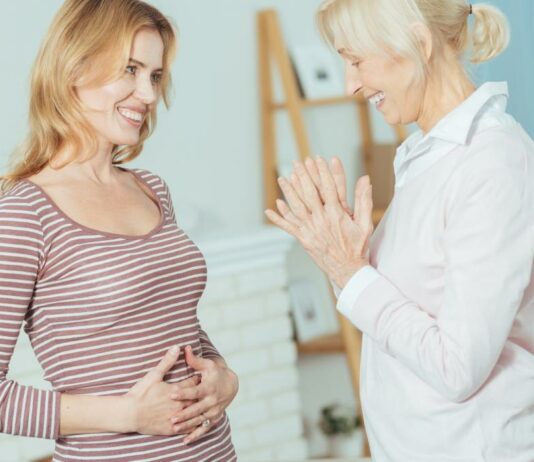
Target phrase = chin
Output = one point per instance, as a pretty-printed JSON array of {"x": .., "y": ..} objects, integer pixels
[
  {"x": 125, "y": 140},
  {"x": 391, "y": 120}
]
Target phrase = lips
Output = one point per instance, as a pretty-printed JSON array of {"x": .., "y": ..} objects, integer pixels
[
  {"x": 377, "y": 98},
  {"x": 133, "y": 116}
]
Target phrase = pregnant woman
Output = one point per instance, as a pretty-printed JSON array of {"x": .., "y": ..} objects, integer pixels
[
  {"x": 93, "y": 264},
  {"x": 443, "y": 291}
]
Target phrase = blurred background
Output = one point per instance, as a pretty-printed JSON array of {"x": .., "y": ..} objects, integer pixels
[{"x": 208, "y": 147}]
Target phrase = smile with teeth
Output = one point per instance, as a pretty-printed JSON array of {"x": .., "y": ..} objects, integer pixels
[
  {"x": 377, "y": 98},
  {"x": 131, "y": 115}
]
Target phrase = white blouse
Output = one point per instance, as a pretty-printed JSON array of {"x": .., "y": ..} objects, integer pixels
[{"x": 447, "y": 306}]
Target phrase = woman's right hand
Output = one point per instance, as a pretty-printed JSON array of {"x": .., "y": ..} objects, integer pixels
[{"x": 149, "y": 400}]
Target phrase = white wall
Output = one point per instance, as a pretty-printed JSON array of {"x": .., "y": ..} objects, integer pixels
[{"x": 208, "y": 145}]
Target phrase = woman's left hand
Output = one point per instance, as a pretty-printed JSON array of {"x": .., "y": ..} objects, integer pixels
[
  {"x": 316, "y": 213},
  {"x": 216, "y": 390}
]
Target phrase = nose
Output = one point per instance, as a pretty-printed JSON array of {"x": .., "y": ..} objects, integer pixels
[
  {"x": 145, "y": 91},
  {"x": 353, "y": 83}
]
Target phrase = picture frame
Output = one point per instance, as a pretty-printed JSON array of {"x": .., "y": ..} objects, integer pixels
[
  {"x": 311, "y": 320},
  {"x": 318, "y": 72}
]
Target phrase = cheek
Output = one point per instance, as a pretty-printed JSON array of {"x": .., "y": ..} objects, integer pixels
[{"x": 104, "y": 98}]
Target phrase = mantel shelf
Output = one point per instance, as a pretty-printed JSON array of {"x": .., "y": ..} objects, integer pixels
[{"x": 331, "y": 343}]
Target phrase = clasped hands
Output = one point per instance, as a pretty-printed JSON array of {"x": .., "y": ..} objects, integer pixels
[
  {"x": 317, "y": 214},
  {"x": 190, "y": 407}
]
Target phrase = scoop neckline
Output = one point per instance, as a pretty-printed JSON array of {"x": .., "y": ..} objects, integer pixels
[{"x": 137, "y": 177}]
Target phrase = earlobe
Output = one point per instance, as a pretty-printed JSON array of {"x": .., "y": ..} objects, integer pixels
[{"x": 425, "y": 39}]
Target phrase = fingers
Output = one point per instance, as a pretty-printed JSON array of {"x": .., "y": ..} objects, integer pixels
[
  {"x": 198, "y": 432},
  {"x": 293, "y": 200},
  {"x": 366, "y": 209},
  {"x": 338, "y": 173},
  {"x": 191, "y": 382},
  {"x": 311, "y": 167},
  {"x": 191, "y": 413},
  {"x": 308, "y": 190},
  {"x": 282, "y": 223},
  {"x": 188, "y": 425},
  {"x": 196, "y": 362},
  {"x": 286, "y": 212},
  {"x": 328, "y": 185},
  {"x": 167, "y": 362},
  {"x": 189, "y": 393},
  {"x": 361, "y": 192}
]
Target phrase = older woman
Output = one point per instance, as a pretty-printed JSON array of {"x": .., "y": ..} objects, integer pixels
[
  {"x": 443, "y": 290},
  {"x": 93, "y": 262}
]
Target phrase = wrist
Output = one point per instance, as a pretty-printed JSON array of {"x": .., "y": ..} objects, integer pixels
[
  {"x": 127, "y": 412},
  {"x": 346, "y": 273}
]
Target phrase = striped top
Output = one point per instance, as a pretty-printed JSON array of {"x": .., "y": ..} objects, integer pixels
[{"x": 101, "y": 309}]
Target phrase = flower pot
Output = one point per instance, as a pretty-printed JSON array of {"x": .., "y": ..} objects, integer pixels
[{"x": 346, "y": 445}]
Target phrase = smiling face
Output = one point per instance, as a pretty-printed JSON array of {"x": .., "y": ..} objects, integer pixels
[
  {"x": 118, "y": 109},
  {"x": 391, "y": 84}
]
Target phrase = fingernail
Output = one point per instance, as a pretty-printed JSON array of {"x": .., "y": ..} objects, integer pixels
[{"x": 174, "y": 350}]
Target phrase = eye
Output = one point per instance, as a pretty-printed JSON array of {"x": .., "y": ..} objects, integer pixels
[
  {"x": 156, "y": 78},
  {"x": 131, "y": 69}
]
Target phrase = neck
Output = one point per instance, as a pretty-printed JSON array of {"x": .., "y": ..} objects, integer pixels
[
  {"x": 444, "y": 95},
  {"x": 93, "y": 166}
]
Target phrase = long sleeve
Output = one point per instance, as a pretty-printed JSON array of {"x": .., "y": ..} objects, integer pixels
[
  {"x": 489, "y": 249},
  {"x": 24, "y": 410}
]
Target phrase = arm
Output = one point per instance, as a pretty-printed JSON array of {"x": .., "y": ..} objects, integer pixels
[
  {"x": 489, "y": 252},
  {"x": 24, "y": 410},
  {"x": 146, "y": 408}
]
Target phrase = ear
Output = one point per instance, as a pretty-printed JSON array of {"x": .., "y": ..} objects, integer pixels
[{"x": 424, "y": 36}]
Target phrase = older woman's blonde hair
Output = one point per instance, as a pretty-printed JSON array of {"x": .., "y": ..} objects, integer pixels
[
  {"x": 386, "y": 26},
  {"x": 89, "y": 41}
]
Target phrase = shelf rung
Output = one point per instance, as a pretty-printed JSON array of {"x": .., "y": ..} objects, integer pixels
[{"x": 304, "y": 103}]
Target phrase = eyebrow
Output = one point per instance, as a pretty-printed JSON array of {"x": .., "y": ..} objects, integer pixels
[{"x": 143, "y": 65}]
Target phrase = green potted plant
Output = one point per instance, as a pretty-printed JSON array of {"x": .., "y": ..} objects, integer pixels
[{"x": 342, "y": 427}]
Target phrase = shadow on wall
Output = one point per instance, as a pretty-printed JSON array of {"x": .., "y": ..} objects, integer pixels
[{"x": 516, "y": 64}]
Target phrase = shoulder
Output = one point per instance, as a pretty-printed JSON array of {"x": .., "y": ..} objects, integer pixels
[
  {"x": 152, "y": 179},
  {"x": 503, "y": 153},
  {"x": 21, "y": 198},
  {"x": 20, "y": 213},
  {"x": 501, "y": 146},
  {"x": 157, "y": 184},
  {"x": 497, "y": 171}
]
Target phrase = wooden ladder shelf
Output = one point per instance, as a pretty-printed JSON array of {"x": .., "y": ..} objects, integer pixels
[{"x": 273, "y": 55}]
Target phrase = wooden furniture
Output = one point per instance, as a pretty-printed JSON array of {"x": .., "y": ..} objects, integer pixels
[{"x": 378, "y": 161}]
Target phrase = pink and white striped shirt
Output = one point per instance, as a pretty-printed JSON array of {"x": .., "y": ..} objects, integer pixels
[{"x": 101, "y": 309}]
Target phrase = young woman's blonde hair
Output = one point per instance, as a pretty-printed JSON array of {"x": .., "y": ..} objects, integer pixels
[
  {"x": 88, "y": 42},
  {"x": 387, "y": 26}
]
